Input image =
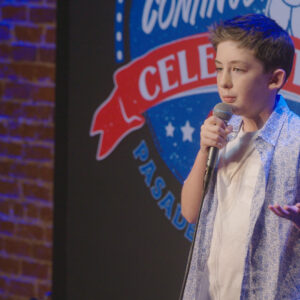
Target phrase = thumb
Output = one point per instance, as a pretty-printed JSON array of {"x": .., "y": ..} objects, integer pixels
[{"x": 229, "y": 129}]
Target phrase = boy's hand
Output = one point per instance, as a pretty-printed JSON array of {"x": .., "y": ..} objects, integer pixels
[
  {"x": 290, "y": 212},
  {"x": 213, "y": 133}
]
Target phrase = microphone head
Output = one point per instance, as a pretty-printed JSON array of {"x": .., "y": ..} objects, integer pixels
[{"x": 223, "y": 111}]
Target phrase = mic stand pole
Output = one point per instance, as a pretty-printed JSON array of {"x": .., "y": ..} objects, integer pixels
[{"x": 205, "y": 186}]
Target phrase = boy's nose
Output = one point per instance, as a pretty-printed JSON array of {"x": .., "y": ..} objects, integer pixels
[{"x": 225, "y": 80}]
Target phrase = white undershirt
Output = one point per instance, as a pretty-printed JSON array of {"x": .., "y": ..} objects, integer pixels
[{"x": 237, "y": 174}]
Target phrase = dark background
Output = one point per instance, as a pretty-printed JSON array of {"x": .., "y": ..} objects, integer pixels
[{"x": 111, "y": 239}]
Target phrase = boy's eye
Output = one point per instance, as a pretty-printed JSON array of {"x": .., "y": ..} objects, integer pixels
[
  {"x": 237, "y": 69},
  {"x": 218, "y": 69}
]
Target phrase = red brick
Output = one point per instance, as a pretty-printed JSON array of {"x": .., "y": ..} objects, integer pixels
[
  {"x": 32, "y": 211},
  {"x": 46, "y": 133},
  {"x": 36, "y": 270},
  {"x": 3, "y": 284},
  {"x": 14, "y": 297},
  {"x": 3, "y": 129},
  {"x": 24, "y": 53},
  {"x": 5, "y": 167},
  {"x": 50, "y": 274},
  {"x": 44, "y": 93},
  {"x": 38, "y": 112},
  {"x": 14, "y": 12},
  {"x": 47, "y": 54},
  {"x": 12, "y": 149},
  {"x": 29, "y": 171},
  {"x": 31, "y": 34},
  {"x": 23, "y": 130},
  {"x": 5, "y": 33},
  {"x": 1, "y": 243},
  {"x": 43, "y": 14},
  {"x": 49, "y": 235},
  {"x": 2, "y": 239},
  {"x": 4, "y": 206},
  {"x": 10, "y": 109},
  {"x": 26, "y": 170},
  {"x": 7, "y": 71},
  {"x": 42, "y": 252},
  {"x": 21, "y": 288},
  {"x": 44, "y": 290},
  {"x": 18, "y": 247},
  {"x": 30, "y": 231},
  {"x": 7, "y": 227},
  {"x": 30, "y": 111},
  {"x": 51, "y": 35},
  {"x": 34, "y": 72},
  {"x": 36, "y": 192},
  {"x": 30, "y": 1},
  {"x": 9, "y": 265},
  {"x": 46, "y": 214},
  {"x": 17, "y": 90},
  {"x": 5, "y": 51},
  {"x": 32, "y": 131},
  {"x": 3, "y": 148},
  {"x": 9, "y": 187},
  {"x": 47, "y": 173},
  {"x": 38, "y": 153},
  {"x": 18, "y": 210}
]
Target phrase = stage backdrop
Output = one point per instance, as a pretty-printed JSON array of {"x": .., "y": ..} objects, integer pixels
[{"x": 135, "y": 81}]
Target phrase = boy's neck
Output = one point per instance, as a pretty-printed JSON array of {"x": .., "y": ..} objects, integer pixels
[
  {"x": 255, "y": 123},
  {"x": 250, "y": 125}
]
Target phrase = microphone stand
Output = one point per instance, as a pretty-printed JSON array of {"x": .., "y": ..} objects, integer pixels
[
  {"x": 224, "y": 112},
  {"x": 207, "y": 176}
]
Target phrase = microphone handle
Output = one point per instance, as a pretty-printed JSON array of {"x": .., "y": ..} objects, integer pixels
[{"x": 210, "y": 165}]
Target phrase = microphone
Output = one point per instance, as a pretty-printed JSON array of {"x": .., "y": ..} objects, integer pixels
[{"x": 224, "y": 112}]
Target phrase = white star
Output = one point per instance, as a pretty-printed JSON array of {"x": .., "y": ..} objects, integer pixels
[
  {"x": 187, "y": 132},
  {"x": 170, "y": 130}
]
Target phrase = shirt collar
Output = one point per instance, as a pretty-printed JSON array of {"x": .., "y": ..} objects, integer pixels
[{"x": 272, "y": 127}]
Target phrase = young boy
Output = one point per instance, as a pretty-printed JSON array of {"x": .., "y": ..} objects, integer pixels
[{"x": 245, "y": 247}]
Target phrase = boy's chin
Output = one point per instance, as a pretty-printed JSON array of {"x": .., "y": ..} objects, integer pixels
[{"x": 236, "y": 110}]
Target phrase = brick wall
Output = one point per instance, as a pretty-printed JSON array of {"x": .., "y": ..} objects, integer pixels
[{"x": 27, "y": 82}]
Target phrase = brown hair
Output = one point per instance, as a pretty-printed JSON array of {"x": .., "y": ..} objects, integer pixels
[{"x": 271, "y": 44}]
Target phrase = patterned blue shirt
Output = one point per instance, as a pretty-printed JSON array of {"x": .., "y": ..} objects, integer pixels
[{"x": 272, "y": 263}]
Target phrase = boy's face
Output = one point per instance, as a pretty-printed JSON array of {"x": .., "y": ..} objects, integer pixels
[{"x": 242, "y": 81}]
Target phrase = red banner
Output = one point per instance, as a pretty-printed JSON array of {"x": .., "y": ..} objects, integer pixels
[{"x": 157, "y": 76}]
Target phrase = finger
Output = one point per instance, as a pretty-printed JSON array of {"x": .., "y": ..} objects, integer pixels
[
  {"x": 213, "y": 132},
  {"x": 213, "y": 120},
  {"x": 276, "y": 212},
  {"x": 293, "y": 210},
  {"x": 294, "y": 213},
  {"x": 282, "y": 211},
  {"x": 290, "y": 213},
  {"x": 214, "y": 135},
  {"x": 217, "y": 142},
  {"x": 297, "y": 204},
  {"x": 207, "y": 129},
  {"x": 212, "y": 139},
  {"x": 229, "y": 129}
]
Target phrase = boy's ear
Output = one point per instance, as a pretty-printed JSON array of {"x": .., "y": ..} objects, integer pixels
[{"x": 277, "y": 79}]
